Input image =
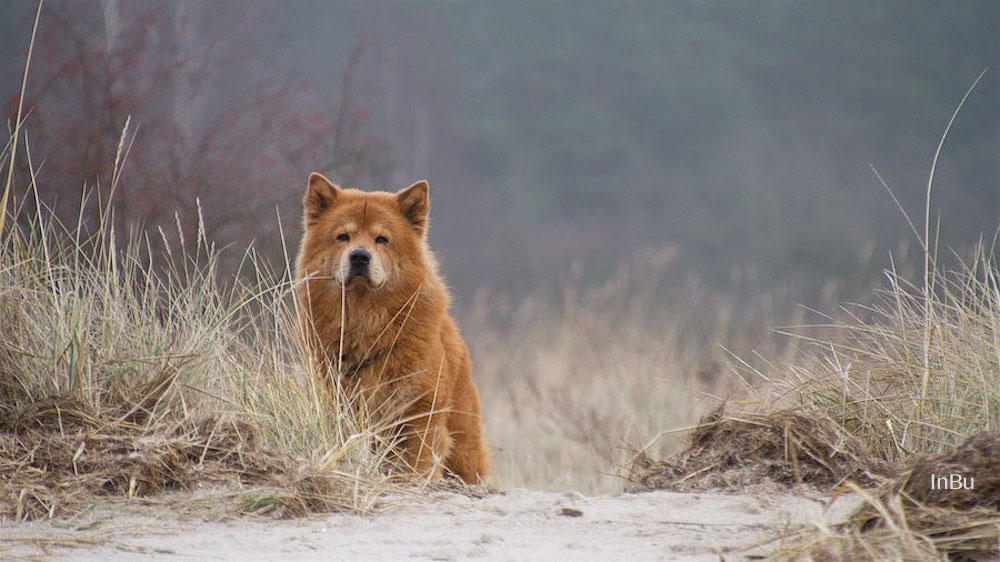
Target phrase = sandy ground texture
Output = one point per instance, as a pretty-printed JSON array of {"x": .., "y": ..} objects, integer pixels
[{"x": 515, "y": 525}]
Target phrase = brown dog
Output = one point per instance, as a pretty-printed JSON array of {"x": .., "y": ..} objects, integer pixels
[{"x": 365, "y": 270}]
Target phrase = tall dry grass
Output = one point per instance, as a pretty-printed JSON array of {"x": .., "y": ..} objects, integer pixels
[
  {"x": 918, "y": 371},
  {"x": 128, "y": 369},
  {"x": 914, "y": 380},
  {"x": 915, "y": 372}
]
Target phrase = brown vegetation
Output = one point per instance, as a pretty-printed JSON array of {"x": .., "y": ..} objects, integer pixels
[
  {"x": 119, "y": 381},
  {"x": 907, "y": 519},
  {"x": 908, "y": 389},
  {"x": 49, "y": 473},
  {"x": 788, "y": 447}
]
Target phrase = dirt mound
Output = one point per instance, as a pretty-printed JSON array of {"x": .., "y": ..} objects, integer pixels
[
  {"x": 53, "y": 473},
  {"x": 976, "y": 463},
  {"x": 785, "y": 447},
  {"x": 961, "y": 521},
  {"x": 915, "y": 516}
]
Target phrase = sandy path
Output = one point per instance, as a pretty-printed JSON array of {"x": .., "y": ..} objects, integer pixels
[{"x": 517, "y": 525}]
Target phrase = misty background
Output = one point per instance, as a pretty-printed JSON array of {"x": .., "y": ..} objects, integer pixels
[{"x": 561, "y": 139}]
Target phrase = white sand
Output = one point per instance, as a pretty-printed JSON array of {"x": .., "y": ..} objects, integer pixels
[{"x": 517, "y": 525}]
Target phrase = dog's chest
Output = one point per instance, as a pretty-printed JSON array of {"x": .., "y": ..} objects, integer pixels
[{"x": 387, "y": 389}]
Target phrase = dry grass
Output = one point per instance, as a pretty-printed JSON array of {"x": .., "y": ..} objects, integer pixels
[
  {"x": 909, "y": 519},
  {"x": 572, "y": 384},
  {"x": 126, "y": 372},
  {"x": 871, "y": 381},
  {"x": 908, "y": 387},
  {"x": 853, "y": 412},
  {"x": 788, "y": 447},
  {"x": 859, "y": 394}
]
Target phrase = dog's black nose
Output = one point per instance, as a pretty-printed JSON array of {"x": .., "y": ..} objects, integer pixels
[{"x": 360, "y": 256}]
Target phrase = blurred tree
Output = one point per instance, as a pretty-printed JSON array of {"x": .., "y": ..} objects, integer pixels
[
  {"x": 560, "y": 131},
  {"x": 213, "y": 121}
]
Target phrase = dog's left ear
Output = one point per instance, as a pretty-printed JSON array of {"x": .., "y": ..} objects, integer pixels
[{"x": 415, "y": 204}]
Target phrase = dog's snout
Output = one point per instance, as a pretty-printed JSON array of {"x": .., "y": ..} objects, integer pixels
[
  {"x": 360, "y": 257},
  {"x": 361, "y": 264}
]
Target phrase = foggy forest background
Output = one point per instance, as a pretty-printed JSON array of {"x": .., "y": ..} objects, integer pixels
[{"x": 560, "y": 138}]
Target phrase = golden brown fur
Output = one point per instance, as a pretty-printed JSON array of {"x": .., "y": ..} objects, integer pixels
[{"x": 401, "y": 350}]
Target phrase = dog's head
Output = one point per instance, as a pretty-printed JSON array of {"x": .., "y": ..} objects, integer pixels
[{"x": 363, "y": 240}]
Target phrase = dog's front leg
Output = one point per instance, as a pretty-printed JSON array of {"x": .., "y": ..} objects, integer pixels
[{"x": 427, "y": 442}]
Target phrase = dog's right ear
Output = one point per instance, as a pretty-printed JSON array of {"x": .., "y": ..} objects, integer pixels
[{"x": 320, "y": 196}]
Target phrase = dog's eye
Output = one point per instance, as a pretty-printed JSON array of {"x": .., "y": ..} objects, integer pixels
[
  {"x": 381, "y": 240},
  {"x": 344, "y": 237}
]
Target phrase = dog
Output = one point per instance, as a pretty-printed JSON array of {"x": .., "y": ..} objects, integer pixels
[{"x": 375, "y": 311}]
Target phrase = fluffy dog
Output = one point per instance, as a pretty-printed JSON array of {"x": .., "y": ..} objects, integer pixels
[{"x": 375, "y": 310}]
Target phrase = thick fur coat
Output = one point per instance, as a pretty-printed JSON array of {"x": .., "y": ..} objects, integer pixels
[{"x": 365, "y": 272}]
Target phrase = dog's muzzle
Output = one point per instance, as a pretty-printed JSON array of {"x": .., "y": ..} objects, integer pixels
[{"x": 359, "y": 260}]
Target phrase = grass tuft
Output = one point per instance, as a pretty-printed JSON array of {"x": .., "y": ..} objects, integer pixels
[
  {"x": 788, "y": 447},
  {"x": 126, "y": 373}
]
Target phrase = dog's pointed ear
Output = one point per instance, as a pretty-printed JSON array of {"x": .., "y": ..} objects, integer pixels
[
  {"x": 415, "y": 204},
  {"x": 320, "y": 196}
]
